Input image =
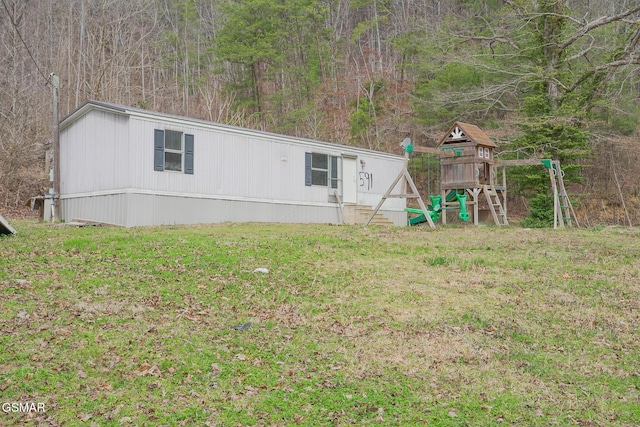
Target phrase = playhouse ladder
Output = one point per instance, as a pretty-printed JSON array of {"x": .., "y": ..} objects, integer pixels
[
  {"x": 495, "y": 206},
  {"x": 564, "y": 212}
]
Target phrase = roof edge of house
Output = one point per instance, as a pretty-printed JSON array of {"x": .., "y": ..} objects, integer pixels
[{"x": 90, "y": 105}]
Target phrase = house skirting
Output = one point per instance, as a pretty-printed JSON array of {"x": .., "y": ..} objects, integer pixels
[{"x": 133, "y": 208}]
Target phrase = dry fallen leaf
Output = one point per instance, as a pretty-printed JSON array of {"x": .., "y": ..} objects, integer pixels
[
  {"x": 84, "y": 417},
  {"x": 146, "y": 369},
  {"x": 251, "y": 391},
  {"x": 155, "y": 384},
  {"x": 6, "y": 384},
  {"x": 63, "y": 332}
]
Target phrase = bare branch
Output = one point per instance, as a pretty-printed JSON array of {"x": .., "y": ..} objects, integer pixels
[
  {"x": 597, "y": 23},
  {"x": 583, "y": 52},
  {"x": 491, "y": 40}
]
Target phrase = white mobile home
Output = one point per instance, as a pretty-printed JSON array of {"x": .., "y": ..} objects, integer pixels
[{"x": 133, "y": 167}]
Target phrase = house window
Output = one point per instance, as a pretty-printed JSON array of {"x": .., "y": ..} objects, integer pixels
[
  {"x": 173, "y": 151},
  {"x": 486, "y": 153},
  {"x": 321, "y": 169},
  {"x": 480, "y": 152}
]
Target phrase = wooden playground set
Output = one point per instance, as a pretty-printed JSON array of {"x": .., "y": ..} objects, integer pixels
[{"x": 468, "y": 181}]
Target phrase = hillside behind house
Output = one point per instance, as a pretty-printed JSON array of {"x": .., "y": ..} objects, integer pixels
[{"x": 552, "y": 78}]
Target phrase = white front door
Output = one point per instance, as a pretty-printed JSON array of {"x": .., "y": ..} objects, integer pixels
[{"x": 349, "y": 180}]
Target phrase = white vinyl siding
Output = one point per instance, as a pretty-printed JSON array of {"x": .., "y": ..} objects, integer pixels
[{"x": 107, "y": 152}]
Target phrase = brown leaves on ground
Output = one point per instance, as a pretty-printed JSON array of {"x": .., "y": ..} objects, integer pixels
[{"x": 145, "y": 369}]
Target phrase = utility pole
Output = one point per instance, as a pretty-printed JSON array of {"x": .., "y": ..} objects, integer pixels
[{"x": 55, "y": 83}]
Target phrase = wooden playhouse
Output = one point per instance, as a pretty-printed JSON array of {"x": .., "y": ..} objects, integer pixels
[
  {"x": 468, "y": 169},
  {"x": 468, "y": 177}
]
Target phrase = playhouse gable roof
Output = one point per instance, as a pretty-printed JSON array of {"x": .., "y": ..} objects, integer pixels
[{"x": 464, "y": 132}]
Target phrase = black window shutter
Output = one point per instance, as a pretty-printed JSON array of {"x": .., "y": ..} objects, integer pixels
[
  {"x": 158, "y": 150},
  {"x": 307, "y": 169},
  {"x": 188, "y": 154}
]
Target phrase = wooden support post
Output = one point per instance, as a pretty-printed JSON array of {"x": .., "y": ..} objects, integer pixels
[
  {"x": 554, "y": 189},
  {"x": 567, "y": 214},
  {"x": 443, "y": 203},
  {"x": 386, "y": 195},
  {"x": 406, "y": 180},
  {"x": 504, "y": 191},
  {"x": 474, "y": 195}
]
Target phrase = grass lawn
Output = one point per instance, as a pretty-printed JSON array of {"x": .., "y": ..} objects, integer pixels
[{"x": 458, "y": 326}]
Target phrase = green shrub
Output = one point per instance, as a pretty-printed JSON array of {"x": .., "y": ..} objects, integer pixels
[{"x": 541, "y": 212}]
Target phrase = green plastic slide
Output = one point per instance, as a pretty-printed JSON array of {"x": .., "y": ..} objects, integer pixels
[
  {"x": 452, "y": 196},
  {"x": 436, "y": 208},
  {"x": 434, "y": 213}
]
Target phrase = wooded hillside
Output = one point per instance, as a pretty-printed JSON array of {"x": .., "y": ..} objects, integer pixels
[{"x": 558, "y": 78}]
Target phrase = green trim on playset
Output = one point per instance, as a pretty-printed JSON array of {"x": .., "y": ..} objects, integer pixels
[{"x": 457, "y": 151}]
